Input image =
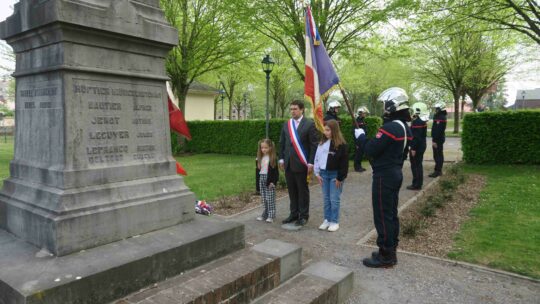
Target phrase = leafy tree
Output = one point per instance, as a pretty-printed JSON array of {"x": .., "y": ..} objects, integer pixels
[
  {"x": 521, "y": 16},
  {"x": 490, "y": 66},
  {"x": 447, "y": 63},
  {"x": 340, "y": 23},
  {"x": 210, "y": 37}
]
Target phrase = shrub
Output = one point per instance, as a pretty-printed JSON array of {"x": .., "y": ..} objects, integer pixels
[
  {"x": 501, "y": 137},
  {"x": 428, "y": 210},
  {"x": 240, "y": 137},
  {"x": 412, "y": 227}
]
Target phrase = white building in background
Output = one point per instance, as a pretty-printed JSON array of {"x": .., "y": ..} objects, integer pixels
[{"x": 199, "y": 101}]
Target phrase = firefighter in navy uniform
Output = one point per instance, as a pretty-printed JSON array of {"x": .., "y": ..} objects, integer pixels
[
  {"x": 359, "y": 151},
  {"x": 418, "y": 144},
  {"x": 386, "y": 152},
  {"x": 437, "y": 137},
  {"x": 333, "y": 110}
]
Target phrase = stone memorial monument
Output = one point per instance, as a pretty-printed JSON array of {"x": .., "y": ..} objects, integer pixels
[{"x": 92, "y": 163}]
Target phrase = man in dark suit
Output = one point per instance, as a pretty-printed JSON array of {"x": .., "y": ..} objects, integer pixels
[{"x": 297, "y": 160}]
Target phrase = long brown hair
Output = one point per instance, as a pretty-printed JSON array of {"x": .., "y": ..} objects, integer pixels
[
  {"x": 337, "y": 137},
  {"x": 271, "y": 152}
]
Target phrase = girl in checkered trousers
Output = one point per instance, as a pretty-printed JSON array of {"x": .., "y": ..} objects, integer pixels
[{"x": 269, "y": 175}]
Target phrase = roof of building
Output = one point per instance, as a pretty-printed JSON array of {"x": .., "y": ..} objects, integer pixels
[
  {"x": 200, "y": 87},
  {"x": 533, "y": 94}
]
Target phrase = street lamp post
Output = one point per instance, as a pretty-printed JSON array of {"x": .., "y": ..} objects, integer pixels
[
  {"x": 267, "y": 66},
  {"x": 523, "y": 99},
  {"x": 245, "y": 102},
  {"x": 222, "y": 92}
]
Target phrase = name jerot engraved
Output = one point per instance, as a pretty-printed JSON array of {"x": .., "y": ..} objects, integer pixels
[{"x": 105, "y": 120}]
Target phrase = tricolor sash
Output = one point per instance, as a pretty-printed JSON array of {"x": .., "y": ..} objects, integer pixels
[{"x": 295, "y": 140}]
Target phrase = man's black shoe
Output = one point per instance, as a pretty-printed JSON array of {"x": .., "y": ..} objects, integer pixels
[
  {"x": 301, "y": 222},
  {"x": 360, "y": 170},
  {"x": 435, "y": 174},
  {"x": 411, "y": 187},
  {"x": 290, "y": 219},
  {"x": 377, "y": 260}
]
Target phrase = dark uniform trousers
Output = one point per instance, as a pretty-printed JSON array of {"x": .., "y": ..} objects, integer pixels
[
  {"x": 358, "y": 155},
  {"x": 385, "y": 191},
  {"x": 417, "y": 168},
  {"x": 298, "y": 193},
  {"x": 438, "y": 156}
]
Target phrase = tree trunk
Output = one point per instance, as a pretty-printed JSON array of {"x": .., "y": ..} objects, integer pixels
[{"x": 456, "y": 113}]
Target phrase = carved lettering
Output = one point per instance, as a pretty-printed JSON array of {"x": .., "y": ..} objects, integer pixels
[
  {"x": 29, "y": 105},
  {"x": 109, "y": 135},
  {"x": 143, "y": 156},
  {"x": 146, "y": 148},
  {"x": 96, "y": 159},
  {"x": 106, "y": 150},
  {"x": 145, "y": 134},
  {"x": 142, "y": 121},
  {"x": 46, "y": 105},
  {"x": 139, "y": 107},
  {"x": 38, "y": 92},
  {"x": 105, "y": 120},
  {"x": 94, "y": 105}
]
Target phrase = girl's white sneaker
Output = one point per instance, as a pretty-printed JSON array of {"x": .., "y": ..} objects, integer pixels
[
  {"x": 324, "y": 225},
  {"x": 333, "y": 227},
  {"x": 260, "y": 218},
  {"x": 269, "y": 220}
]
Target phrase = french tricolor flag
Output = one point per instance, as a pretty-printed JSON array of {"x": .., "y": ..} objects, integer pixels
[{"x": 320, "y": 77}]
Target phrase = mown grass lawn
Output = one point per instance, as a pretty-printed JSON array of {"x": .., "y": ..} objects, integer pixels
[
  {"x": 504, "y": 229},
  {"x": 6, "y": 154},
  {"x": 211, "y": 176}
]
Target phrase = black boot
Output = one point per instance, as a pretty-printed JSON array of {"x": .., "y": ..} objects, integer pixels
[
  {"x": 290, "y": 219},
  {"x": 435, "y": 174},
  {"x": 381, "y": 259}
]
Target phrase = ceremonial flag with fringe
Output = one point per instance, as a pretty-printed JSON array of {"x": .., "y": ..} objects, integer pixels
[{"x": 320, "y": 77}]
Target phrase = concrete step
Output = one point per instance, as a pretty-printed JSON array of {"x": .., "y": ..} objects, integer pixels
[
  {"x": 237, "y": 278},
  {"x": 320, "y": 283},
  {"x": 105, "y": 273}
]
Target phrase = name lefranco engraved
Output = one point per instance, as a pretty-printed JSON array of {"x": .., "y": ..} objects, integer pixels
[{"x": 106, "y": 154}]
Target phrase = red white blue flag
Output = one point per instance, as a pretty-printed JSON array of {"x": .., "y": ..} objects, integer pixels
[{"x": 320, "y": 76}]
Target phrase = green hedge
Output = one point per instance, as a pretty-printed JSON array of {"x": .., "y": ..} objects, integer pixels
[
  {"x": 241, "y": 137},
  {"x": 501, "y": 137}
]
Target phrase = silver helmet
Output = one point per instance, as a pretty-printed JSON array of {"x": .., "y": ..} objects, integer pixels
[
  {"x": 439, "y": 104},
  {"x": 394, "y": 99},
  {"x": 332, "y": 104},
  {"x": 421, "y": 110},
  {"x": 362, "y": 109}
]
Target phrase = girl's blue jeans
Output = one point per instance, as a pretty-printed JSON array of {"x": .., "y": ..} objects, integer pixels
[{"x": 331, "y": 195}]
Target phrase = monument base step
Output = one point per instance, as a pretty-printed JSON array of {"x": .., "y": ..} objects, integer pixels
[
  {"x": 237, "y": 278},
  {"x": 109, "y": 272},
  {"x": 320, "y": 283}
]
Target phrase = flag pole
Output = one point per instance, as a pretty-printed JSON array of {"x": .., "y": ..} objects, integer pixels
[{"x": 348, "y": 104}]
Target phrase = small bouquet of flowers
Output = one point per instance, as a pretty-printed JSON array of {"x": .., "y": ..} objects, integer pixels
[{"x": 201, "y": 207}]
